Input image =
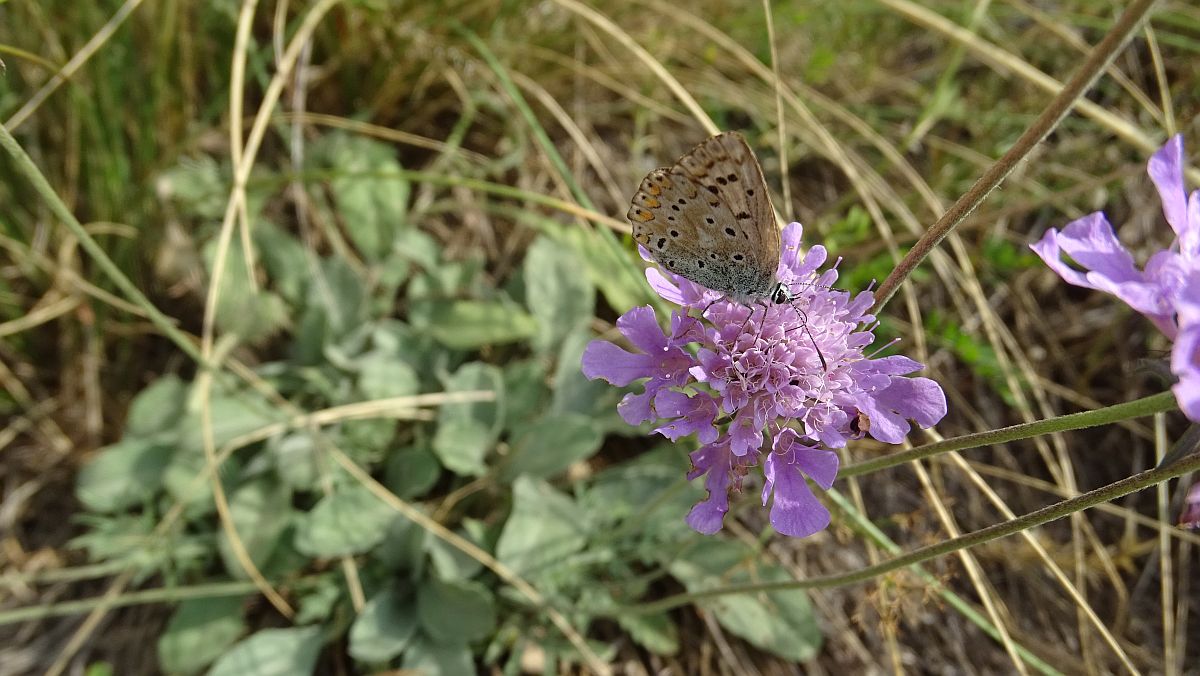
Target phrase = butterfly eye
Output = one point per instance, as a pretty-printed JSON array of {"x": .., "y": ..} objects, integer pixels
[{"x": 731, "y": 232}]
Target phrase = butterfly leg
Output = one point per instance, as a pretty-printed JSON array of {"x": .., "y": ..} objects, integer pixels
[
  {"x": 804, "y": 325},
  {"x": 751, "y": 316}
]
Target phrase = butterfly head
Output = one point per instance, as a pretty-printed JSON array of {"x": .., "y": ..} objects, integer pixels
[{"x": 780, "y": 294}]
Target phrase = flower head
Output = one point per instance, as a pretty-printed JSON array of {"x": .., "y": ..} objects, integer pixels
[
  {"x": 1167, "y": 289},
  {"x": 770, "y": 385},
  {"x": 1189, "y": 518}
]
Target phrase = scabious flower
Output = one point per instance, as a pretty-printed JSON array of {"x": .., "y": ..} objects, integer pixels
[
  {"x": 1167, "y": 289},
  {"x": 795, "y": 372},
  {"x": 1189, "y": 518}
]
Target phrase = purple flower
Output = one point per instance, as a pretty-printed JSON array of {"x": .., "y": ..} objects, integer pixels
[
  {"x": 770, "y": 385},
  {"x": 1189, "y": 518},
  {"x": 1167, "y": 289}
]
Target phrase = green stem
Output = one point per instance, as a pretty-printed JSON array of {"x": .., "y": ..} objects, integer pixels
[
  {"x": 1157, "y": 403},
  {"x": 160, "y": 595},
  {"x": 26, "y": 166},
  {"x": 1042, "y": 516}
]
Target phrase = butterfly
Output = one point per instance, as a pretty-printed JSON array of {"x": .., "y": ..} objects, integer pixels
[{"x": 708, "y": 218}]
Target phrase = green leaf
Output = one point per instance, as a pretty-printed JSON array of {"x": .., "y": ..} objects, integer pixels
[
  {"x": 452, "y": 563},
  {"x": 415, "y": 347},
  {"x": 260, "y": 509},
  {"x": 525, "y": 393},
  {"x": 351, "y": 521},
  {"x": 317, "y": 602},
  {"x": 199, "y": 632},
  {"x": 445, "y": 280},
  {"x": 367, "y": 440},
  {"x": 186, "y": 481},
  {"x": 456, "y": 611},
  {"x": 288, "y": 265},
  {"x": 557, "y": 291},
  {"x": 272, "y": 652},
  {"x": 610, "y": 267},
  {"x": 403, "y": 547},
  {"x": 252, "y": 315},
  {"x": 372, "y": 195},
  {"x": 623, "y": 492},
  {"x": 574, "y": 393},
  {"x": 295, "y": 459},
  {"x": 233, "y": 414},
  {"x": 411, "y": 472},
  {"x": 431, "y": 658},
  {"x": 381, "y": 377},
  {"x": 123, "y": 475},
  {"x": 198, "y": 186},
  {"x": 336, "y": 302},
  {"x": 468, "y": 324},
  {"x": 418, "y": 248},
  {"x": 780, "y": 622},
  {"x": 467, "y": 431},
  {"x": 551, "y": 445},
  {"x": 545, "y": 527},
  {"x": 385, "y": 626},
  {"x": 156, "y": 408},
  {"x": 656, "y": 633}
]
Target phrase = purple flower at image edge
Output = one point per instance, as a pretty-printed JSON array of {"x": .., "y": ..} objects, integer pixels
[
  {"x": 1166, "y": 290},
  {"x": 795, "y": 372}
]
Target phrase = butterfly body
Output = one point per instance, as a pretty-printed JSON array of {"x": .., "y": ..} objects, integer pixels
[{"x": 708, "y": 218}]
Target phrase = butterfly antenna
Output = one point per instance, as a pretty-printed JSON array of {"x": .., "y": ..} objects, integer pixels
[{"x": 808, "y": 332}]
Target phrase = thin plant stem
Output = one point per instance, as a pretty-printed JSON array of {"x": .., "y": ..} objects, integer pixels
[
  {"x": 1003, "y": 529},
  {"x": 1158, "y": 403},
  {"x": 134, "y": 598},
  {"x": 26, "y": 166},
  {"x": 1097, "y": 62}
]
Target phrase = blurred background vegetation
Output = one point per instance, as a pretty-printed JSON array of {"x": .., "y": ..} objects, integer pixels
[{"x": 432, "y": 228}]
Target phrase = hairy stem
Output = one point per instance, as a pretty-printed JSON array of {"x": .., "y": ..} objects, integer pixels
[
  {"x": 1158, "y": 403},
  {"x": 1097, "y": 62}
]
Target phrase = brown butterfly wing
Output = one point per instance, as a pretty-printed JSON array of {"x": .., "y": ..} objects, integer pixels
[{"x": 709, "y": 219}]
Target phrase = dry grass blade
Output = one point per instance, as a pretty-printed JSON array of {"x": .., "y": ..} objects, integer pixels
[{"x": 236, "y": 206}]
